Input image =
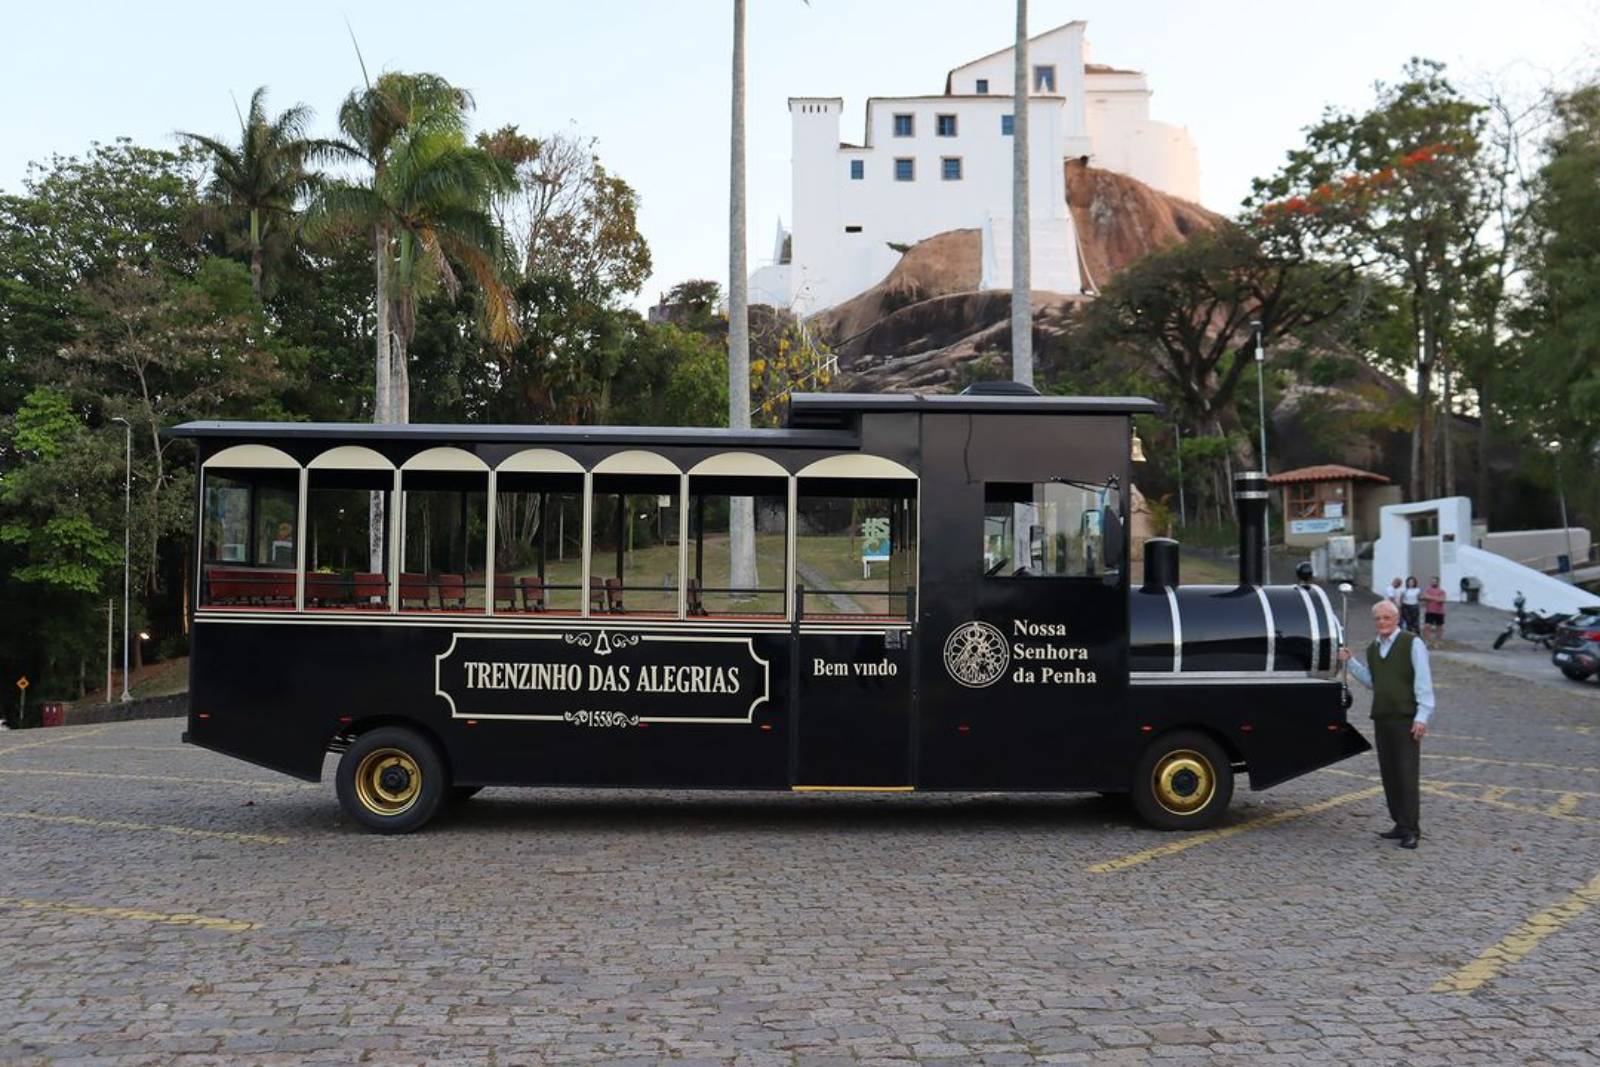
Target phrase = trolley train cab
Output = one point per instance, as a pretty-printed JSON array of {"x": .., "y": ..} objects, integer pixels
[{"x": 894, "y": 592}]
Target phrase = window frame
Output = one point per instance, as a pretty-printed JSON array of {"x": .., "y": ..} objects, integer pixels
[
  {"x": 1115, "y": 496},
  {"x": 944, "y": 119},
  {"x": 1008, "y": 125},
  {"x": 858, "y": 170},
  {"x": 944, "y": 169},
  {"x": 909, "y": 172},
  {"x": 910, "y": 123},
  {"x": 1042, "y": 73},
  {"x": 981, "y": 87}
]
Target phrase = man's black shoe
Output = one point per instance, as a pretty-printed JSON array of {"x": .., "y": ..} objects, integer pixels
[
  {"x": 1393, "y": 835},
  {"x": 1409, "y": 840}
]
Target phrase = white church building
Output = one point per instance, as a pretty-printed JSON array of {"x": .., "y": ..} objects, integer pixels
[{"x": 929, "y": 164}]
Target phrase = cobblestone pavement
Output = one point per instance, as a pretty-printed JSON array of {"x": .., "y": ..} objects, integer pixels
[{"x": 160, "y": 904}]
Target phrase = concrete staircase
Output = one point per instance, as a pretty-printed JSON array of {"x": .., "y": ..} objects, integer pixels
[{"x": 1053, "y": 253}]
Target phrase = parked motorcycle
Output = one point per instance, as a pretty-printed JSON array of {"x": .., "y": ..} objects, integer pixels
[{"x": 1533, "y": 626}]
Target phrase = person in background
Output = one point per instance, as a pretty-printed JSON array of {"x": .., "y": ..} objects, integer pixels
[
  {"x": 1433, "y": 601},
  {"x": 1411, "y": 606},
  {"x": 1401, "y": 680},
  {"x": 1394, "y": 594}
]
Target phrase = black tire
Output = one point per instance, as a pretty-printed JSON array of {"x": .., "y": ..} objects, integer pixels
[
  {"x": 1501, "y": 640},
  {"x": 459, "y": 793},
  {"x": 1574, "y": 673},
  {"x": 1183, "y": 781},
  {"x": 391, "y": 780}
]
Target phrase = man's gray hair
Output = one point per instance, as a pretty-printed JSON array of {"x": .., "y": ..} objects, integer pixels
[{"x": 1385, "y": 607}]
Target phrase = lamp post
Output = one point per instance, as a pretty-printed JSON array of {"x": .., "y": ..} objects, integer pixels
[
  {"x": 1177, "y": 444},
  {"x": 127, "y": 516},
  {"x": 1561, "y": 495},
  {"x": 1261, "y": 413}
]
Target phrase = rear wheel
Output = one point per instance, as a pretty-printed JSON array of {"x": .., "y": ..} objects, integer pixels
[
  {"x": 391, "y": 780},
  {"x": 1574, "y": 673},
  {"x": 1184, "y": 781}
]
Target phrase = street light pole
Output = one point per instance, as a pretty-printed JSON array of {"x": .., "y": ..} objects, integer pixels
[
  {"x": 1561, "y": 494},
  {"x": 127, "y": 519},
  {"x": 111, "y": 614},
  {"x": 1261, "y": 412},
  {"x": 1177, "y": 440}
]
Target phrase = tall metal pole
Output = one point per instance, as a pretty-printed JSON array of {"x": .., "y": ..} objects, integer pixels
[
  {"x": 1021, "y": 224},
  {"x": 111, "y": 613},
  {"x": 1177, "y": 441},
  {"x": 127, "y": 518},
  {"x": 1561, "y": 494},
  {"x": 1261, "y": 406}
]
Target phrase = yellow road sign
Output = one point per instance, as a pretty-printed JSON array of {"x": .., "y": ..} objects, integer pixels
[{"x": 22, "y": 683}]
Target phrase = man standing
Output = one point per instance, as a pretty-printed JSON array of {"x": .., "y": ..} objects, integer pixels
[
  {"x": 1433, "y": 601},
  {"x": 1397, "y": 671}
]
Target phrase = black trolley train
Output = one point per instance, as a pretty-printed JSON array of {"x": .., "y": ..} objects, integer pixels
[{"x": 942, "y": 600}]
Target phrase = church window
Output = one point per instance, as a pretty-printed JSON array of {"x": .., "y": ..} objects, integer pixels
[
  {"x": 1044, "y": 79},
  {"x": 904, "y": 125},
  {"x": 1008, "y": 125},
  {"x": 905, "y": 169},
  {"x": 858, "y": 170},
  {"x": 950, "y": 168},
  {"x": 983, "y": 86},
  {"x": 946, "y": 126}
]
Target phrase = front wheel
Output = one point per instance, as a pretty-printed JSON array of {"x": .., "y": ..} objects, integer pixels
[
  {"x": 1184, "y": 781},
  {"x": 391, "y": 780},
  {"x": 1501, "y": 640}
]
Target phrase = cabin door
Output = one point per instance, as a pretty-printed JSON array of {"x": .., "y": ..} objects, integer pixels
[{"x": 853, "y": 695}]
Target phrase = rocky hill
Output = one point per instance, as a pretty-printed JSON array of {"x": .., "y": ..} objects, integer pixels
[{"x": 923, "y": 325}]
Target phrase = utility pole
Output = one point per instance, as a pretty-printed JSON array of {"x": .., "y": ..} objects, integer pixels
[
  {"x": 127, "y": 519},
  {"x": 1021, "y": 234},
  {"x": 1261, "y": 411},
  {"x": 111, "y": 611},
  {"x": 1177, "y": 443}
]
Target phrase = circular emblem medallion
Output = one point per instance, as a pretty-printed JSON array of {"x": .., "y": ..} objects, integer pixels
[{"x": 976, "y": 655}]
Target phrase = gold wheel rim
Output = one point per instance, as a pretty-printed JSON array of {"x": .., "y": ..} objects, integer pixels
[
  {"x": 388, "y": 781},
  {"x": 1184, "y": 782}
]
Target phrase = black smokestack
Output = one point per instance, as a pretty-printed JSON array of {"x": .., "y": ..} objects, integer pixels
[
  {"x": 1160, "y": 564},
  {"x": 1250, "y": 501}
]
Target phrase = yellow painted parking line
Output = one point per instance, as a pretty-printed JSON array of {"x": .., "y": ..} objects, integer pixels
[
  {"x": 1512, "y": 763},
  {"x": 232, "y": 926},
  {"x": 118, "y": 824},
  {"x": 1492, "y": 797},
  {"x": 1565, "y": 804},
  {"x": 1206, "y": 837},
  {"x": 54, "y": 740},
  {"x": 1527, "y": 936},
  {"x": 181, "y": 779},
  {"x": 1487, "y": 787}
]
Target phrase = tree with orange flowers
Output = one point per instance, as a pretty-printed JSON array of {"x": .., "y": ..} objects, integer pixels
[{"x": 1396, "y": 191}]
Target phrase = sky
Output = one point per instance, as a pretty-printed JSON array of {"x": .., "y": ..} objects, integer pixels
[{"x": 649, "y": 79}]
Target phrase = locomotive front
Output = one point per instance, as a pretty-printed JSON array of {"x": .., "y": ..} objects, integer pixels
[{"x": 1250, "y": 668}]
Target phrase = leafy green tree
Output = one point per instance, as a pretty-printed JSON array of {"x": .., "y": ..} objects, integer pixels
[
  {"x": 257, "y": 184},
  {"x": 1558, "y": 385},
  {"x": 1397, "y": 189}
]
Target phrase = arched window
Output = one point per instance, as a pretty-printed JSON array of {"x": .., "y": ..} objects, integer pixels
[
  {"x": 349, "y": 510},
  {"x": 249, "y": 528},
  {"x": 856, "y": 537}
]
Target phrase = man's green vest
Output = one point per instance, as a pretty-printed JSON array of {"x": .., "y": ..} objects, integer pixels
[{"x": 1394, "y": 692}]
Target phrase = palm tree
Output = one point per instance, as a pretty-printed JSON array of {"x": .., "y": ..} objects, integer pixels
[
  {"x": 261, "y": 180},
  {"x": 1021, "y": 261},
  {"x": 426, "y": 203}
]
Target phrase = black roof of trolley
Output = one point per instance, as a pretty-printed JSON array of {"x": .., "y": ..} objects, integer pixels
[{"x": 840, "y": 410}]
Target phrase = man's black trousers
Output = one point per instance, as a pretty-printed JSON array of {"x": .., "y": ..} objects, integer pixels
[{"x": 1400, "y": 763}]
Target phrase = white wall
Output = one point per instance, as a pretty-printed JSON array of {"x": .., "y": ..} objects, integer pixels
[
  {"x": 1062, "y": 48},
  {"x": 1127, "y": 141},
  {"x": 831, "y": 265}
]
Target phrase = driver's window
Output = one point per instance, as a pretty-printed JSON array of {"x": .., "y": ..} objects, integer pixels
[{"x": 1051, "y": 529}]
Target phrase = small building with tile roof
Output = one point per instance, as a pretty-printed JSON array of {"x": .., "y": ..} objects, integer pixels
[{"x": 1329, "y": 500}]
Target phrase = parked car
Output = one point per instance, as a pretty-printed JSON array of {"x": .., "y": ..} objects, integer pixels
[{"x": 1577, "y": 645}]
